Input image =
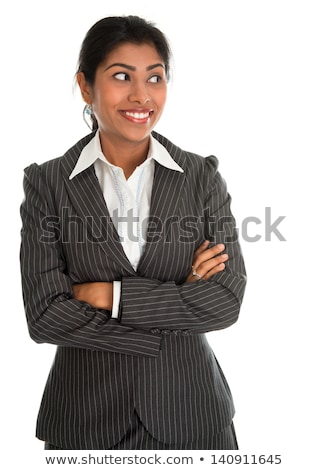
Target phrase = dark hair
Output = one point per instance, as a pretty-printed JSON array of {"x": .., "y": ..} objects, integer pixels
[{"x": 109, "y": 33}]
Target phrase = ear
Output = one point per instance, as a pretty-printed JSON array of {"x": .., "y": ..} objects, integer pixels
[{"x": 85, "y": 89}]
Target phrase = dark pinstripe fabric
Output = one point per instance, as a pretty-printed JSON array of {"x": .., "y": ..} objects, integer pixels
[
  {"x": 155, "y": 358},
  {"x": 138, "y": 438}
]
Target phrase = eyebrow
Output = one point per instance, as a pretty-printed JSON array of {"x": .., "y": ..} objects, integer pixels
[{"x": 132, "y": 68}]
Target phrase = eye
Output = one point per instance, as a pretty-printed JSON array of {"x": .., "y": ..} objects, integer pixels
[
  {"x": 155, "y": 79},
  {"x": 121, "y": 76}
]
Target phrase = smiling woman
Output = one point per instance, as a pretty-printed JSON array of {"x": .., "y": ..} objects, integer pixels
[
  {"x": 132, "y": 274},
  {"x": 127, "y": 98}
]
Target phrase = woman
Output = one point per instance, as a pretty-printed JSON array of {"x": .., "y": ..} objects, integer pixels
[{"x": 123, "y": 265}]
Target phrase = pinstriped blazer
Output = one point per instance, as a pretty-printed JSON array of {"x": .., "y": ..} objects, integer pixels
[{"x": 155, "y": 357}]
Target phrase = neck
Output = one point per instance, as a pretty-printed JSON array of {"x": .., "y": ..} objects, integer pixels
[{"x": 126, "y": 155}]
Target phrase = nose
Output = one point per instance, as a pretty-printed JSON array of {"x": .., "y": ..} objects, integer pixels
[{"x": 139, "y": 93}]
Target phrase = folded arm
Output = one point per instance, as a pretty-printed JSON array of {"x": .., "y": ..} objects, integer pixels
[
  {"x": 53, "y": 314},
  {"x": 211, "y": 303},
  {"x": 201, "y": 306}
]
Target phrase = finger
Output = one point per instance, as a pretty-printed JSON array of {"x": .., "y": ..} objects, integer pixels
[
  {"x": 207, "y": 266},
  {"x": 208, "y": 254},
  {"x": 211, "y": 271},
  {"x": 76, "y": 288},
  {"x": 80, "y": 290},
  {"x": 201, "y": 248},
  {"x": 215, "y": 270}
]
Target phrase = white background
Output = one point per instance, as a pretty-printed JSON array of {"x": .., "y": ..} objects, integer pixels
[{"x": 250, "y": 85}]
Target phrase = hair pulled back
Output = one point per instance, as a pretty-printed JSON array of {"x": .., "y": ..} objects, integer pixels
[{"x": 109, "y": 33}]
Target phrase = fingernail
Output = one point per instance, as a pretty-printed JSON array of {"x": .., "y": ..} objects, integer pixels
[
  {"x": 221, "y": 246},
  {"x": 225, "y": 256}
]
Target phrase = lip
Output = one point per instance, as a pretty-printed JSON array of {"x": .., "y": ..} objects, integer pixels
[{"x": 137, "y": 116}]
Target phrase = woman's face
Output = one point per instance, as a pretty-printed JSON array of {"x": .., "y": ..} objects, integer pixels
[{"x": 129, "y": 92}]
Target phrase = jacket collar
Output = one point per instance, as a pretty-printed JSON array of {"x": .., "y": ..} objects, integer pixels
[{"x": 92, "y": 151}]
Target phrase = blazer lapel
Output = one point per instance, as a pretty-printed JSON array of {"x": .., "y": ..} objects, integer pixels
[
  {"x": 88, "y": 201},
  {"x": 166, "y": 191}
]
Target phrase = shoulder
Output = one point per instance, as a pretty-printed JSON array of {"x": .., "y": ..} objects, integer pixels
[
  {"x": 66, "y": 161},
  {"x": 201, "y": 172},
  {"x": 189, "y": 161}
]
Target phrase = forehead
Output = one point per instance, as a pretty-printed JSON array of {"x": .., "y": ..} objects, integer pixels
[{"x": 134, "y": 54}]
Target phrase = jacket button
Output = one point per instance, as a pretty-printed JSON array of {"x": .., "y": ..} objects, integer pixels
[
  {"x": 155, "y": 331},
  {"x": 186, "y": 333}
]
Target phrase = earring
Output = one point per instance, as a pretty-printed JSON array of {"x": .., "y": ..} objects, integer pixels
[{"x": 87, "y": 110}]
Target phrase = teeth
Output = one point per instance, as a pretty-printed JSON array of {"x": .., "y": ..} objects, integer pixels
[{"x": 138, "y": 115}]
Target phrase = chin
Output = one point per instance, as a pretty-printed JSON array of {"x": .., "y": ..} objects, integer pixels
[{"x": 138, "y": 136}]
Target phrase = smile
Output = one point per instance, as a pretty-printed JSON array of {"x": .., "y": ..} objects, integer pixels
[{"x": 139, "y": 117}]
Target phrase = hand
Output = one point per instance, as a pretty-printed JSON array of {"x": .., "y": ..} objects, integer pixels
[
  {"x": 207, "y": 261},
  {"x": 97, "y": 294}
]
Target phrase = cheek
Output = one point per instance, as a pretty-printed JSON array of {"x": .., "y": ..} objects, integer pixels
[
  {"x": 106, "y": 97},
  {"x": 103, "y": 109},
  {"x": 161, "y": 98}
]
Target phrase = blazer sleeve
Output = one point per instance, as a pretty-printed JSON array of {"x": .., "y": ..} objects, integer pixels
[
  {"x": 200, "y": 306},
  {"x": 53, "y": 315}
]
